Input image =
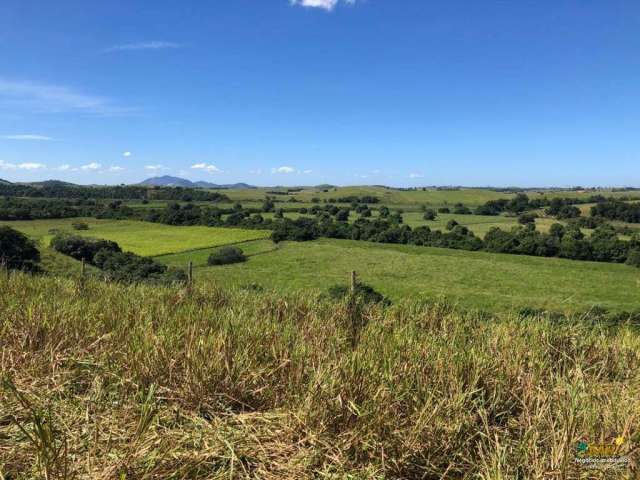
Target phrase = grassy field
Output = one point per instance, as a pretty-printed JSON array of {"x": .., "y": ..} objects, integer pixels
[
  {"x": 143, "y": 238},
  {"x": 430, "y": 196},
  {"x": 495, "y": 282},
  {"x": 112, "y": 382}
]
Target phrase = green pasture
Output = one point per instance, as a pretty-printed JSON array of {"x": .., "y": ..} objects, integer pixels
[
  {"x": 496, "y": 282},
  {"x": 143, "y": 238}
]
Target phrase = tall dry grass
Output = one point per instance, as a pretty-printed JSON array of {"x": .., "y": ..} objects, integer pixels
[{"x": 105, "y": 381}]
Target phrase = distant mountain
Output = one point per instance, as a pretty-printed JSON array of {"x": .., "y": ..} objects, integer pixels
[
  {"x": 169, "y": 181},
  {"x": 52, "y": 183}
]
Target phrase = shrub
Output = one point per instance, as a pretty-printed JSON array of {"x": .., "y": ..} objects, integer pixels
[
  {"x": 429, "y": 214},
  {"x": 633, "y": 258},
  {"x": 460, "y": 209},
  {"x": 365, "y": 292},
  {"x": 82, "y": 248},
  {"x": 444, "y": 210},
  {"x": 451, "y": 224},
  {"x": 226, "y": 256},
  {"x": 80, "y": 226},
  {"x": 527, "y": 218},
  {"x": 17, "y": 251}
]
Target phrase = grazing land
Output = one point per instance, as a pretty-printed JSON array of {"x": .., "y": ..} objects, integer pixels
[
  {"x": 143, "y": 238},
  {"x": 494, "y": 282},
  {"x": 108, "y": 381},
  {"x": 476, "y": 280}
]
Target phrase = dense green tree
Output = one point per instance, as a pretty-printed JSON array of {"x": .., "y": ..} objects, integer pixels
[{"x": 17, "y": 251}]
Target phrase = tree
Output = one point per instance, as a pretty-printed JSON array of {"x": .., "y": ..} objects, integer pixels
[
  {"x": 527, "y": 218},
  {"x": 226, "y": 256},
  {"x": 343, "y": 215},
  {"x": 17, "y": 251},
  {"x": 633, "y": 258},
  {"x": 451, "y": 224},
  {"x": 429, "y": 214}
]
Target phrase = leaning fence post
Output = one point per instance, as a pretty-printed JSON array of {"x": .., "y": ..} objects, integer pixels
[
  {"x": 190, "y": 273},
  {"x": 353, "y": 281}
]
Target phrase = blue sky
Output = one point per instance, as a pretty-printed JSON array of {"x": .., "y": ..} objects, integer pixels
[{"x": 396, "y": 92}]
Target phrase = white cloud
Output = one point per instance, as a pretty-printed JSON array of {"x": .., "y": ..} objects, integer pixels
[
  {"x": 323, "y": 4},
  {"x": 115, "y": 169},
  {"x": 63, "y": 168},
  {"x": 54, "y": 99},
  {"x": 153, "y": 45},
  {"x": 307, "y": 172},
  {"x": 91, "y": 166},
  {"x": 27, "y": 137},
  {"x": 416, "y": 175},
  {"x": 206, "y": 167},
  {"x": 126, "y": 154},
  {"x": 21, "y": 166},
  {"x": 155, "y": 168},
  {"x": 284, "y": 169}
]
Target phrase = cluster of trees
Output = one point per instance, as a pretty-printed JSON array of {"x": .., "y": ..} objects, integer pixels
[
  {"x": 564, "y": 242},
  {"x": 377, "y": 230},
  {"x": 22, "y": 209},
  {"x": 355, "y": 199},
  {"x": 122, "y": 192},
  {"x": 617, "y": 210},
  {"x": 17, "y": 252},
  {"x": 559, "y": 207},
  {"x": 117, "y": 265}
]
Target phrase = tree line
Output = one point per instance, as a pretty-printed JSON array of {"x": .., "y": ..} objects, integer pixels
[{"x": 122, "y": 192}]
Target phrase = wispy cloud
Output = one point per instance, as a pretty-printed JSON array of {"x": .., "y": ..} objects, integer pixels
[
  {"x": 45, "y": 98},
  {"x": 207, "y": 167},
  {"x": 152, "y": 45},
  {"x": 37, "y": 138},
  {"x": 63, "y": 168},
  {"x": 323, "y": 4},
  {"x": 21, "y": 166},
  {"x": 126, "y": 154},
  {"x": 284, "y": 169},
  {"x": 114, "y": 169},
  {"x": 416, "y": 175},
  {"x": 91, "y": 166},
  {"x": 155, "y": 168}
]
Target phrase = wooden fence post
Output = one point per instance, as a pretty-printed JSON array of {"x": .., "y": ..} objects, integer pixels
[
  {"x": 82, "y": 269},
  {"x": 354, "y": 281},
  {"x": 190, "y": 273}
]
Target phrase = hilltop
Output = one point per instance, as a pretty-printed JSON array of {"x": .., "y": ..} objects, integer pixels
[{"x": 169, "y": 181}]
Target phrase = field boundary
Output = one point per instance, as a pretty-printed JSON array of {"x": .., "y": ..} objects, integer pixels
[{"x": 207, "y": 248}]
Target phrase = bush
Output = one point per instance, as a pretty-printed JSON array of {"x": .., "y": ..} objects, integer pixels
[
  {"x": 365, "y": 292},
  {"x": 451, "y": 224},
  {"x": 17, "y": 251},
  {"x": 226, "y": 256},
  {"x": 633, "y": 258},
  {"x": 82, "y": 248},
  {"x": 80, "y": 226},
  {"x": 527, "y": 218},
  {"x": 444, "y": 210},
  {"x": 429, "y": 214}
]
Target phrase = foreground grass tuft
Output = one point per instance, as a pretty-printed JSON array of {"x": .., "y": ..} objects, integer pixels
[{"x": 106, "y": 381}]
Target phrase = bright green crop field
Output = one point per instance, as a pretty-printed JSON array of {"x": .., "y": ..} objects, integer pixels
[
  {"x": 143, "y": 238},
  {"x": 495, "y": 282}
]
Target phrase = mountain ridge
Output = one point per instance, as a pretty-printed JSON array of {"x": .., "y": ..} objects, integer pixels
[{"x": 170, "y": 181}]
